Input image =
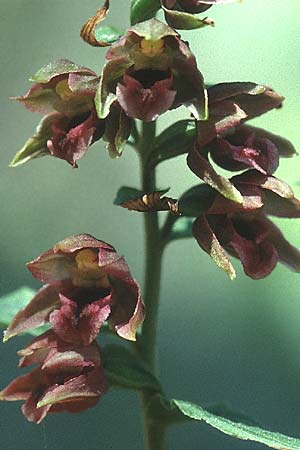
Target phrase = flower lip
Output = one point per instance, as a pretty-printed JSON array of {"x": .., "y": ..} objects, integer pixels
[{"x": 147, "y": 77}]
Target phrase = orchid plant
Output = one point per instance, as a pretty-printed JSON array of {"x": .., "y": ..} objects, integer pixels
[{"x": 88, "y": 287}]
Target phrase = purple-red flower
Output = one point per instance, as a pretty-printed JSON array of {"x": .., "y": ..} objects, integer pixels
[
  {"x": 87, "y": 284},
  {"x": 244, "y": 231},
  {"x": 149, "y": 71},
  {"x": 64, "y": 92},
  {"x": 233, "y": 145},
  {"x": 68, "y": 378}
]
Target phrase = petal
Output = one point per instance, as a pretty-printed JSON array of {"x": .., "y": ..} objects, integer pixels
[
  {"x": 189, "y": 82},
  {"x": 83, "y": 329},
  {"x": 83, "y": 84},
  {"x": 51, "y": 267},
  {"x": 258, "y": 258},
  {"x": 81, "y": 241},
  {"x": 145, "y": 103},
  {"x": 117, "y": 131},
  {"x": 21, "y": 387},
  {"x": 37, "y": 350},
  {"x": 287, "y": 253},
  {"x": 205, "y": 171},
  {"x": 32, "y": 413},
  {"x": 40, "y": 99},
  {"x": 128, "y": 312},
  {"x": 151, "y": 30},
  {"x": 111, "y": 73},
  {"x": 262, "y": 155},
  {"x": 59, "y": 67},
  {"x": 252, "y": 200},
  {"x": 222, "y": 118},
  {"x": 252, "y": 177},
  {"x": 36, "y": 146},
  {"x": 252, "y": 98},
  {"x": 72, "y": 145},
  {"x": 208, "y": 241},
  {"x": 36, "y": 313},
  {"x": 82, "y": 392}
]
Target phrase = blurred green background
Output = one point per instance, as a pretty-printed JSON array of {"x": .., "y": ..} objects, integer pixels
[{"x": 237, "y": 342}]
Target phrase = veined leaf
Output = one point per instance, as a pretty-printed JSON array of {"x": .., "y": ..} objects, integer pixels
[
  {"x": 174, "y": 140},
  {"x": 238, "y": 429},
  {"x": 122, "y": 368}
]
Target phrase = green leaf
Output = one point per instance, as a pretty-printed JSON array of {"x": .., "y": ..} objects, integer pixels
[
  {"x": 107, "y": 34},
  {"x": 185, "y": 21},
  {"x": 182, "y": 228},
  {"x": 196, "y": 200},
  {"x": 127, "y": 193},
  {"x": 238, "y": 429},
  {"x": 143, "y": 10},
  {"x": 174, "y": 140},
  {"x": 12, "y": 303},
  {"x": 122, "y": 368}
]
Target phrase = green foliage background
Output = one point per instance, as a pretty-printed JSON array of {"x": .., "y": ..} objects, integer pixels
[{"x": 237, "y": 342}]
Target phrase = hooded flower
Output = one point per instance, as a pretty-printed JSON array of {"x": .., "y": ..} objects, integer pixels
[
  {"x": 232, "y": 145},
  {"x": 68, "y": 378},
  {"x": 149, "y": 71},
  {"x": 87, "y": 283},
  {"x": 65, "y": 92},
  {"x": 244, "y": 231},
  {"x": 179, "y": 13}
]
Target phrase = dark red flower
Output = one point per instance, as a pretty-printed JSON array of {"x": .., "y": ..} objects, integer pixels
[
  {"x": 88, "y": 283},
  {"x": 244, "y": 230},
  {"x": 68, "y": 378},
  {"x": 149, "y": 71},
  {"x": 233, "y": 145},
  {"x": 65, "y": 92}
]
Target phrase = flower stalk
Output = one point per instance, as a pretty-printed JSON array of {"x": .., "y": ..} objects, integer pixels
[{"x": 146, "y": 344}]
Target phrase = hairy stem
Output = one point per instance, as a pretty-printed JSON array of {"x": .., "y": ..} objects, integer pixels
[{"x": 147, "y": 348}]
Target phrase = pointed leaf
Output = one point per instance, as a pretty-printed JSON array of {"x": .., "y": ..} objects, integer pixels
[
  {"x": 174, "y": 140},
  {"x": 196, "y": 200},
  {"x": 143, "y": 9},
  {"x": 122, "y": 368},
  {"x": 182, "y": 228},
  {"x": 238, "y": 429},
  {"x": 185, "y": 21}
]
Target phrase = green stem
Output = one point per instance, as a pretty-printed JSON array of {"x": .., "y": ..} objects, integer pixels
[{"x": 146, "y": 345}]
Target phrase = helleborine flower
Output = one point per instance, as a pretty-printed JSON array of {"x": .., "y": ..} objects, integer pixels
[
  {"x": 65, "y": 92},
  {"x": 179, "y": 13},
  {"x": 68, "y": 378},
  {"x": 149, "y": 71},
  {"x": 87, "y": 283},
  {"x": 231, "y": 144},
  {"x": 244, "y": 231}
]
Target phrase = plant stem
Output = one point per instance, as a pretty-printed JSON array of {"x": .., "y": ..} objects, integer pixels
[{"x": 146, "y": 345}]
